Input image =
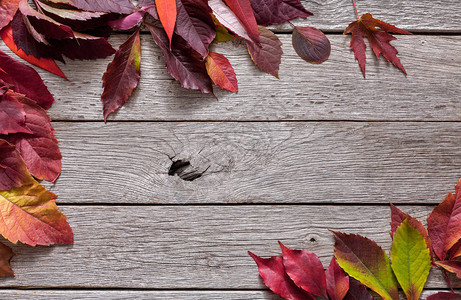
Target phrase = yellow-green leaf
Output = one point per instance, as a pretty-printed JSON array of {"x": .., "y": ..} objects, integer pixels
[{"x": 411, "y": 260}]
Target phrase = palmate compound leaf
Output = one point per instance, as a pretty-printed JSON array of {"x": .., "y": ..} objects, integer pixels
[
  {"x": 444, "y": 223},
  {"x": 39, "y": 148},
  {"x": 337, "y": 281},
  {"x": 268, "y": 55},
  {"x": 182, "y": 62},
  {"x": 364, "y": 260},
  {"x": 28, "y": 211},
  {"x": 25, "y": 80},
  {"x": 272, "y": 12},
  {"x": 379, "y": 40},
  {"x": 5, "y": 256},
  {"x": 221, "y": 71},
  {"x": 306, "y": 270},
  {"x": 311, "y": 44},
  {"x": 122, "y": 75},
  {"x": 411, "y": 260},
  {"x": 276, "y": 279},
  {"x": 7, "y": 10}
]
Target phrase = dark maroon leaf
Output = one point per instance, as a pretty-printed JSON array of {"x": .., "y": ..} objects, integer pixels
[
  {"x": 122, "y": 75},
  {"x": 84, "y": 46},
  {"x": 25, "y": 80},
  {"x": 357, "y": 291},
  {"x": 268, "y": 55},
  {"x": 271, "y": 12},
  {"x": 114, "y": 6},
  {"x": 311, "y": 44},
  {"x": 444, "y": 296},
  {"x": 182, "y": 62},
  {"x": 13, "y": 171}
]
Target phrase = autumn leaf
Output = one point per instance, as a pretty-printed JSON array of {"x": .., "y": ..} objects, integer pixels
[
  {"x": 306, "y": 270},
  {"x": 444, "y": 296},
  {"x": 122, "y": 75},
  {"x": 268, "y": 55},
  {"x": 129, "y": 21},
  {"x": 221, "y": 71},
  {"x": 411, "y": 260},
  {"x": 5, "y": 256},
  {"x": 364, "y": 260},
  {"x": 337, "y": 281},
  {"x": 276, "y": 279},
  {"x": 444, "y": 223},
  {"x": 453, "y": 266},
  {"x": 167, "y": 13},
  {"x": 357, "y": 291},
  {"x": 244, "y": 12},
  {"x": 273, "y": 12},
  {"x": 311, "y": 44},
  {"x": 25, "y": 80},
  {"x": 456, "y": 250},
  {"x": 114, "y": 6},
  {"x": 12, "y": 115},
  {"x": 8, "y": 9},
  {"x": 227, "y": 18},
  {"x": 379, "y": 40},
  {"x": 13, "y": 170},
  {"x": 182, "y": 62}
]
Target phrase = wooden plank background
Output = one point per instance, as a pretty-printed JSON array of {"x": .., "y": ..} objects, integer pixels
[{"x": 321, "y": 148}]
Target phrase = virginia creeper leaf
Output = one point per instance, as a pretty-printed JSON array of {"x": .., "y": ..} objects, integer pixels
[
  {"x": 456, "y": 250},
  {"x": 221, "y": 71},
  {"x": 12, "y": 115},
  {"x": 364, "y": 260},
  {"x": 122, "y": 75},
  {"x": 5, "y": 256},
  {"x": 167, "y": 13},
  {"x": 337, "y": 281},
  {"x": 379, "y": 40},
  {"x": 357, "y": 291},
  {"x": 453, "y": 266},
  {"x": 444, "y": 296},
  {"x": 114, "y": 6},
  {"x": 244, "y": 12},
  {"x": 444, "y": 223},
  {"x": 311, "y": 44},
  {"x": 306, "y": 270},
  {"x": 84, "y": 46},
  {"x": 268, "y": 55},
  {"x": 228, "y": 19},
  {"x": 272, "y": 12},
  {"x": 44, "y": 63},
  {"x": 411, "y": 260},
  {"x": 273, "y": 274},
  {"x": 13, "y": 170},
  {"x": 182, "y": 62},
  {"x": 8, "y": 9},
  {"x": 24, "y": 80},
  {"x": 129, "y": 21}
]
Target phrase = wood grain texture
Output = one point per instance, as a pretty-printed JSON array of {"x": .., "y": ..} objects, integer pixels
[
  {"x": 260, "y": 162},
  {"x": 334, "y": 90},
  {"x": 191, "y": 247},
  {"x": 147, "y": 295}
]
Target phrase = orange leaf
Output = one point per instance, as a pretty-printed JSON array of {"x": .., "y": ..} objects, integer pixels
[
  {"x": 44, "y": 63},
  {"x": 221, "y": 71},
  {"x": 5, "y": 255},
  {"x": 167, "y": 13}
]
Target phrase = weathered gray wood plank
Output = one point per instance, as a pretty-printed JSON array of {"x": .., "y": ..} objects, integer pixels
[
  {"x": 191, "y": 247},
  {"x": 160, "y": 295},
  {"x": 261, "y": 162},
  {"x": 334, "y": 90}
]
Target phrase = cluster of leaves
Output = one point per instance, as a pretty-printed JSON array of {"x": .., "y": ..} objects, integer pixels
[
  {"x": 28, "y": 152},
  {"x": 299, "y": 274}
]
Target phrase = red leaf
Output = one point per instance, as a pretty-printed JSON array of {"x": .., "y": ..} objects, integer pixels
[
  {"x": 306, "y": 270},
  {"x": 444, "y": 296},
  {"x": 456, "y": 250},
  {"x": 357, "y": 291},
  {"x": 5, "y": 256},
  {"x": 24, "y": 80},
  {"x": 337, "y": 281},
  {"x": 167, "y": 13},
  {"x": 12, "y": 115},
  {"x": 129, "y": 21},
  {"x": 311, "y": 44},
  {"x": 268, "y": 55},
  {"x": 453, "y": 266},
  {"x": 228, "y": 19},
  {"x": 182, "y": 62},
  {"x": 8, "y": 9},
  {"x": 221, "y": 71},
  {"x": 39, "y": 149},
  {"x": 444, "y": 223},
  {"x": 272, "y": 12},
  {"x": 122, "y": 75},
  {"x": 273, "y": 274},
  {"x": 44, "y": 63},
  {"x": 114, "y": 6},
  {"x": 379, "y": 40},
  {"x": 13, "y": 170},
  {"x": 84, "y": 46},
  {"x": 244, "y": 12},
  {"x": 398, "y": 216}
]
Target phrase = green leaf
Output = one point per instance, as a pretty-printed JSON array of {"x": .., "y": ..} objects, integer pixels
[{"x": 411, "y": 260}]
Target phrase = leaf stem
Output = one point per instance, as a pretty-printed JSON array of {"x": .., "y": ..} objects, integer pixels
[
  {"x": 356, "y": 11},
  {"x": 447, "y": 279}
]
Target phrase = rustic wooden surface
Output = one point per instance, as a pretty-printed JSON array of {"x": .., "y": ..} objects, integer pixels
[{"x": 321, "y": 148}]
